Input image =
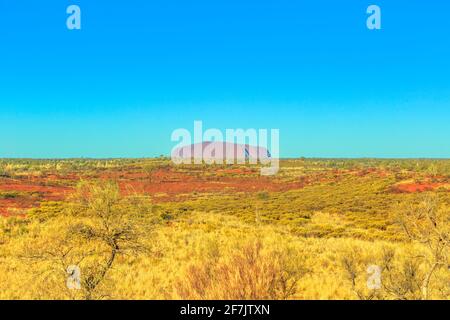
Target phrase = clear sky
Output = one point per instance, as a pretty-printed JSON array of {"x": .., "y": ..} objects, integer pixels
[{"x": 139, "y": 69}]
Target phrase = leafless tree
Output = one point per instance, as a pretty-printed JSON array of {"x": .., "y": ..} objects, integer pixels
[{"x": 428, "y": 224}]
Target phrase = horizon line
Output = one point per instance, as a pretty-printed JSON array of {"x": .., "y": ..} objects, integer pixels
[{"x": 281, "y": 158}]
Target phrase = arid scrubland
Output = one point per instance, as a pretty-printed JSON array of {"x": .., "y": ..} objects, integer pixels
[{"x": 144, "y": 229}]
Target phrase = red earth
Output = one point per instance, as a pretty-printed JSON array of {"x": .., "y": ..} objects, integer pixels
[
  {"x": 417, "y": 187},
  {"x": 169, "y": 184},
  {"x": 19, "y": 195},
  {"x": 166, "y": 184}
]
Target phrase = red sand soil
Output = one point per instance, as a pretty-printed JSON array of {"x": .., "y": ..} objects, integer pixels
[
  {"x": 171, "y": 184},
  {"x": 417, "y": 187},
  {"x": 29, "y": 194},
  {"x": 165, "y": 184}
]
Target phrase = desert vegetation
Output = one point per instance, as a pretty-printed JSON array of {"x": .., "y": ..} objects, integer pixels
[{"x": 146, "y": 229}]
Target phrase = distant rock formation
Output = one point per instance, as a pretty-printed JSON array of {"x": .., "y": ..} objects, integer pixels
[{"x": 222, "y": 152}]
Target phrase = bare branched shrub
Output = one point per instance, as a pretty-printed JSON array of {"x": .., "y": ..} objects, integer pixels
[
  {"x": 103, "y": 226},
  {"x": 425, "y": 265},
  {"x": 429, "y": 224},
  {"x": 355, "y": 268},
  {"x": 251, "y": 273},
  {"x": 402, "y": 278}
]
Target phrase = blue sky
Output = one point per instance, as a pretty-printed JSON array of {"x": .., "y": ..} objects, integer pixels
[{"x": 140, "y": 69}]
